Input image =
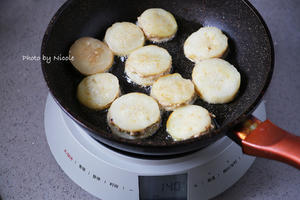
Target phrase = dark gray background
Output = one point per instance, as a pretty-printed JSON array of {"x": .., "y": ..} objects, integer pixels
[{"x": 29, "y": 171}]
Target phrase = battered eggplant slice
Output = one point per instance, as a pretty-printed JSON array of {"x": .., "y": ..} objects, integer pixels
[
  {"x": 147, "y": 64},
  {"x": 172, "y": 91},
  {"x": 124, "y": 37},
  {"x": 208, "y": 42},
  {"x": 134, "y": 115},
  {"x": 158, "y": 24},
  {"x": 188, "y": 122},
  {"x": 98, "y": 91},
  {"x": 216, "y": 80},
  {"x": 90, "y": 56}
]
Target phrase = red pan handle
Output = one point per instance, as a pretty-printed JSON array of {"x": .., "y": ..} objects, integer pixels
[{"x": 264, "y": 139}]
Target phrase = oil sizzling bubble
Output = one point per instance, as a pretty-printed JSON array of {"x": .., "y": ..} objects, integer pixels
[
  {"x": 123, "y": 58},
  {"x": 145, "y": 89}
]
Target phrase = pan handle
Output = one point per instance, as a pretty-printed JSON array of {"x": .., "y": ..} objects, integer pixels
[{"x": 264, "y": 139}]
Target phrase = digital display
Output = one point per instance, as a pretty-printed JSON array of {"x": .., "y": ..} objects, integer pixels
[{"x": 163, "y": 187}]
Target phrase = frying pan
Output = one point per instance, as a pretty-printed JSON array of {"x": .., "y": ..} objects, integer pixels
[{"x": 251, "y": 52}]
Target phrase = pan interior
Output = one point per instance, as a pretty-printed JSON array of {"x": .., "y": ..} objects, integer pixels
[{"x": 250, "y": 53}]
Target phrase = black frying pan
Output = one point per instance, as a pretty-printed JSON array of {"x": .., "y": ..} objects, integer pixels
[{"x": 251, "y": 52}]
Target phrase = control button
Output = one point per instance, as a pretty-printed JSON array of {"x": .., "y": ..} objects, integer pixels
[{"x": 114, "y": 185}]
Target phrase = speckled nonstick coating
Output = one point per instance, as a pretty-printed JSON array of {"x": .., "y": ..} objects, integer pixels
[{"x": 251, "y": 52}]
